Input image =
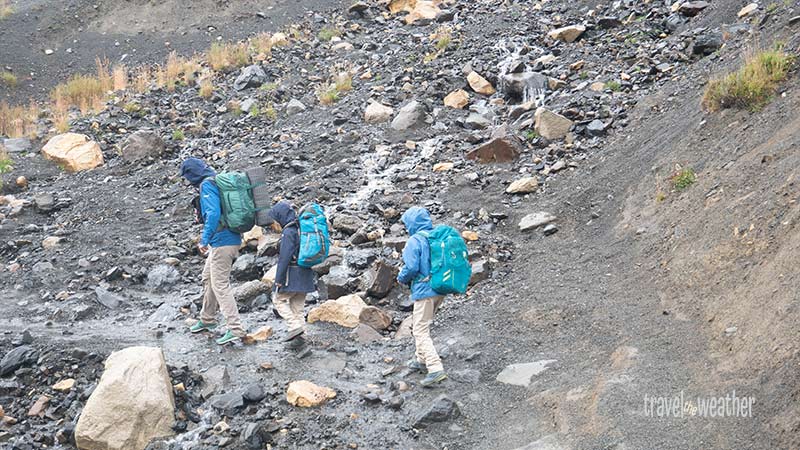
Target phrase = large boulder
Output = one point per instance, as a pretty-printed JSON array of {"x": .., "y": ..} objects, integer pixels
[
  {"x": 73, "y": 151},
  {"x": 142, "y": 144},
  {"x": 344, "y": 311},
  {"x": 250, "y": 77},
  {"x": 375, "y": 318},
  {"x": 503, "y": 147},
  {"x": 16, "y": 358},
  {"x": 550, "y": 125},
  {"x": 379, "y": 280},
  {"x": 131, "y": 405},
  {"x": 410, "y": 116}
]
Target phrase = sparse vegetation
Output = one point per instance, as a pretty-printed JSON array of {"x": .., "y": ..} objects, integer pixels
[
  {"x": 328, "y": 33},
  {"x": 327, "y": 94},
  {"x": 132, "y": 107},
  {"x": 752, "y": 86},
  {"x": 5, "y": 9},
  {"x": 18, "y": 121},
  {"x": 262, "y": 44},
  {"x": 531, "y": 135},
  {"x": 269, "y": 87},
  {"x": 178, "y": 135},
  {"x": 443, "y": 37},
  {"x": 660, "y": 196},
  {"x": 142, "y": 79},
  {"x": 235, "y": 108},
  {"x": 177, "y": 71},
  {"x": 254, "y": 111},
  {"x": 5, "y": 161},
  {"x": 206, "y": 89},
  {"x": 222, "y": 56},
  {"x": 8, "y": 78},
  {"x": 119, "y": 78},
  {"x": 613, "y": 85},
  {"x": 270, "y": 113},
  {"x": 344, "y": 81},
  {"x": 683, "y": 178},
  {"x": 86, "y": 92}
]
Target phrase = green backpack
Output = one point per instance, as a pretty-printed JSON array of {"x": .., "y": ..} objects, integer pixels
[
  {"x": 450, "y": 268},
  {"x": 236, "y": 196}
]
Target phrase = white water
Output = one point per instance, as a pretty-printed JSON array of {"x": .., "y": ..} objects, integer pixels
[{"x": 513, "y": 52}]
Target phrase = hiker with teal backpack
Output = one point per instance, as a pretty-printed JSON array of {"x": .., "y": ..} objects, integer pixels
[
  {"x": 435, "y": 263},
  {"x": 220, "y": 245},
  {"x": 304, "y": 243}
]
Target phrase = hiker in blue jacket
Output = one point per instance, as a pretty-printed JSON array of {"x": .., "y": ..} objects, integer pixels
[
  {"x": 221, "y": 246},
  {"x": 416, "y": 274},
  {"x": 292, "y": 282}
]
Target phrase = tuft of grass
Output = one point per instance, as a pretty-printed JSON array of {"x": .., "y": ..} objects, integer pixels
[
  {"x": 443, "y": 36},
  {"x": 6, "y": 164},
  {"x": 343, "y": 81},
  {"x": 270, "y": 112},
  {"x": 660, "y": 196},
  {"x": 177, "y": 71},
  {"x": 132, "y": 107},
  {"x": 254, "y": 111},
  {"x": 5, "y": 9},
  {"x": 85, "y": 92},
  {"x": 328, "y": 33},
  {"x": 142, "y": 79},
  {"x": 119, "y": 78},
  {"x": 18, "y": 121},
  {"x": 613, "y": 85},
  {"x": 531, "y": 135},
  {"x": 222, "y": 56},
  {"x": 178, "y": 135},
  {"x": 683, "y": 179},
  {"x": 8, "y": 78},
  {"x": 752, "y": 86},
  {"x": 206, "y": 89},
  {"x": 269, "y": 87},
  {"x": 262, "y": 44},
  {"x": 328, "y": 94},
  {"x": 235, "y": 108}
]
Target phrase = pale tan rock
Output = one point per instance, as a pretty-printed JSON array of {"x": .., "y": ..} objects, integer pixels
[
  {"x": 457, "y": 99},
  {"x": 306, "y": 394},
  {"x": 480, "y": 84},
  {"x": 64, "y": 385},
  {"x": 404, "y": 330},
  {"x": 551, "y": 125},
  {"x": 50, "y": 242},
  {"x": 344, "y": 311},
  {"x": 747, "y": 10},
  {"x": 523, "y": 186},
  {"x": 469, "y": 235},
  {"x": 598, "y": 86},
  {"x": 279, "y": 39},
  {"x": 73, "y": 151},
  {"x": 443, "y": 166},
  {"x": 38, "y": 407},
  {"x": 131, "y": 405},
  {"x": 377, "y": 113},
  {"x": 269, "y": 277},
  {"x": 260, "y": 335},
  {"x": 567, "y": 34},
  {"x": 254, "y": 234}
]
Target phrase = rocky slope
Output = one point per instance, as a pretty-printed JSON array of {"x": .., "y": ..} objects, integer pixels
[{"x": 634, "y": 290}]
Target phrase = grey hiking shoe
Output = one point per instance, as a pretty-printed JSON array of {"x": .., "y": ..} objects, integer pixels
[
  {"x": 415, "y": 365},
  {"x": 293, "y": 334},
  {"x": 433, "y": 378}
]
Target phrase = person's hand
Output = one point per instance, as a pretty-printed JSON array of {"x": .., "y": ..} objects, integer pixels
[{"x": 203, "y": 249}]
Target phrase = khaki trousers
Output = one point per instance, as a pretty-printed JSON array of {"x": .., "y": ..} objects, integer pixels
[
  {"x": 290, "y": 307},
  {"x": 217, "y": 292},
  {"x": 424, "y": 310}
]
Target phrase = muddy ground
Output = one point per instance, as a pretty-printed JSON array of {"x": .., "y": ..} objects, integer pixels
[{"x": 635, "y": 296}]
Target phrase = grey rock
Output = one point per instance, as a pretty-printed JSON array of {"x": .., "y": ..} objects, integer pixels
[
  {"x": 379, "y": 280},
  {"x": 250, "y": 77},
  {"x": 411, "y": 116},
  {"x": 366, "y": 334},
  {"x": 19, "y": 357},
  {"x": 227, "y": 403},
  {"x": 535, "y": 220},
  {"x": 247, "y": 292},
  {"x": 162, "y": 276},
  {"x": 477, "y": 122},
  {"x": 337, "y": 282},
  {"x": 347, "y": 224},
  {"x": 254, "y": 393},
  {"x": 108, "y": 299},
  {"x": 596, "y": 128},
  {"x": 294, "y": 107},
  {"x": 245, "y": 268},
  {"x": 441, "y": 410},
  {"x": 706, "y": 44},
  {"x": 17, "y": 145},
  {"x": 609, "y": 22},
  {"x": 256, "y": 436},
  {"x": 44, "y": 201},
  {"x": 480, "y": 271},
  {"x": 141, "y": 145},
  {"x": 214, "y": 380},
  {"x": 691, "y": 9},
  {"x": 247, "y": 105},
  {"x": 521, "y": 374},
  {"x": 550, "y": 229}
]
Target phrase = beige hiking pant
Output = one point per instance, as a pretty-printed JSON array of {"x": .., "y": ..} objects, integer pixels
[
  {"x": 217, "y": 292},
  {"x": 424, "y": 310},
  {"x": 290, "y": 307}
]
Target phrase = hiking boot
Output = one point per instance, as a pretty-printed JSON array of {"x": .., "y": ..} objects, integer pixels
[
  {"x": 293, "y": 334},
  {"x": 227, "y": 338},
  {"x": 415, "y": 366},
  {"x": 433, "y": 378},
  {"x": 200, "y": 326}
]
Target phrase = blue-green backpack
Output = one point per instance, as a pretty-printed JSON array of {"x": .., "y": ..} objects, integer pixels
[
  {"x": 315, "y": 239},
  {"x": 450, "y": 268}
]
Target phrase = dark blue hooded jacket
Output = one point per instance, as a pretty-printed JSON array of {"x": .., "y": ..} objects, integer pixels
[
  {"x": 417, "y": 254},
  {"x": 199, "y": 174},
  {"x": 289, "y": 275}
]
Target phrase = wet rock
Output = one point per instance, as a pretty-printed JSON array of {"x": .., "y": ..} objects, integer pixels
[
  {"x": 377, "y": 113},
  {"x": 503, "y": 147},
  {"x": 295, "y": 107},
  {"x": 549, "y": 229},
  {"x": 17, "y": 145},
  {"x": 596, "y": 128},
  {"x": 521, "y": 374},
  {"x": 411, "y": 116},
  {"x": 691, "y": 9},
  {"x": 227, "y": 403},
  {"x": 344, "y": 311},
  {"x": 245, "y": 268},
  {"x": 524, "y": 185},
  {"x": 141, "y": 145},
  {"x": 245, "y": 293},
  {"x": 706, "y": 44},
  {"x": 347, "y": 223},
  {"x": 375, "y": 318},
  {"x": 306, "y": 394},
  {"x": 394, "y": 242},
  {"x": 526, "y": 86},
  {"x": 480, "y": 271},
  {"x": 74, "y": 152},
  {"x": 480, "y": 84},
  {"x": 366, "y": 334},
  {"x": 477, "y": 122},
  {"x": 162, "y": 276},
  {"x": 256, "y": 436},
  {"x": 131, "y": 405},
  {"x": 567, "y": 34},
  {"x": 550, "y": 125},
  {"x": 324, "y": 267},
  {"x": 108, "y": 299},
  {"x": 535, "y": 220},
  {"x": 457, "y": 99},
  {"x": 379, "y": 280},
  {"x": 250, "y": 77},
  {"x": 214, "y": 380},
  {"x": 609, "y": 22},
  {"x": 19, "y": 357},
  {"x": 337, "y": 282},
  {"x": 441, "y": 410}
]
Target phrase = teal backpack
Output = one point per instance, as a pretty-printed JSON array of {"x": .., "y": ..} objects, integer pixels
[
  {"x": 450, "y": 268},
  {"x": 236, "y": 196},
  {"x": 315, "y": 241}
]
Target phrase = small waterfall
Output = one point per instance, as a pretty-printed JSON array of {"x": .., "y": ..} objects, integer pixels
[{"x": 527, "y": 85}]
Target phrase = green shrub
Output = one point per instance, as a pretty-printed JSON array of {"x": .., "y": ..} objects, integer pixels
[
  {"x": 178, "y": 135},
  {"x": 750, "y": 87},
  {"x": 328, "y": 33},
  {"x": 683, "y": 179},
  {"x": 8, "y": 78}
]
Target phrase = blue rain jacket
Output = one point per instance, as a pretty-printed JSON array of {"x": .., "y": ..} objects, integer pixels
[
  {"x": 417, "y": 254},
  {"x": 200, "y": 175}
]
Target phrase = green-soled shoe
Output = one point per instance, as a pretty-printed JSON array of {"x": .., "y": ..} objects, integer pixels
[
  {"x": 433, "y": 378},
  {"x": 200, "y": 326},
  {"x": 227, "y": 338}
]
